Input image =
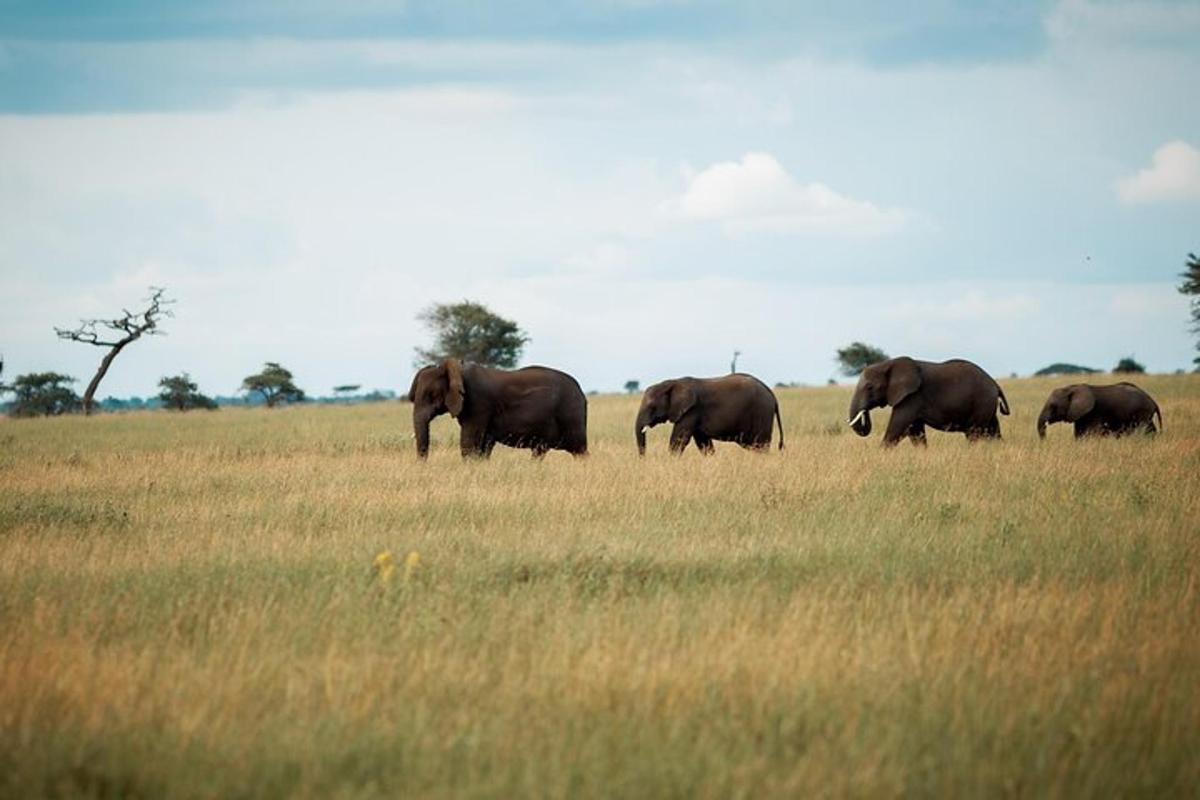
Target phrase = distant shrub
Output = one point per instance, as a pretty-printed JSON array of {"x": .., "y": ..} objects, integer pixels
[
  {"x": 274, "y": 384},
  {"x": 180, "y": 392},
  {"x": 857, "y": 356},
  {"x": 42, "y": 394},
  {"x": 1128, "y": 365},
  {"x": 1060, "y": 368}
]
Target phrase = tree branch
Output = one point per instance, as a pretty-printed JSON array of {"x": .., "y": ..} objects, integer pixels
[{"x": 132, "y": 326}]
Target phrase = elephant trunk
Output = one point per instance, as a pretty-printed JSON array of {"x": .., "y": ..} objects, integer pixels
[
  {"x": 1043, "y": 419},
  {"x": 860, "y": 418},
  {"x": 421, "y": 419},
  {"x": 639, "y": 431}
]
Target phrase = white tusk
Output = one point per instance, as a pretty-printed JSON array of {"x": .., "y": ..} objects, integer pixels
[
  {"x": 644, "y": 429},
  {"x": 854, "y": 421}
]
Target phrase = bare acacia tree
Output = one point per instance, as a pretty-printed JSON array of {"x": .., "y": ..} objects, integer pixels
[{"x": 115, "y": 334}]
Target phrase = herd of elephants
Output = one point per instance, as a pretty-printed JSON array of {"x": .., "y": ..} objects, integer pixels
[{"x": 541, "y": 409}]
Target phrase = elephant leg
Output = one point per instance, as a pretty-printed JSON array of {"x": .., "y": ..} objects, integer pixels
[
  {"x": 704, "y": 444},
  {"x": 916, "y": 434},
  {"x": 902, "y": 419},
  {"x": 680, "y": 436},
  {"x": 539, "y": 451},
  {"x": 575, "y": 443},
  {"x": 989, "y": 431},
  {"x": 472, "y": 441}
]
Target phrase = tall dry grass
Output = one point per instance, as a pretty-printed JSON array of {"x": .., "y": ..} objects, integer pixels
[{"x": 188, "y": 608}]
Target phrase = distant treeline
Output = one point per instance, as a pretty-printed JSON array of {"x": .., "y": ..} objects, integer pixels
[{"x": 140, "y": 403}]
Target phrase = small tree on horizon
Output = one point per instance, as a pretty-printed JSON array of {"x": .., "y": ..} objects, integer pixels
[
  {"x": 180, "y": 393},
  {"x": 42, "y": 394},
  {"x": 1128, "y": 365},
  {"x": 1191, "y": 287},
  {"x": 116, "y": 335},
  {"x": 857, "y": 356},
  {"x": 470, "y": 332},
  {"x": 632, "y": 386},
  {"x": 275, "y": 384},
  {"x": 1061, "y": 368}
]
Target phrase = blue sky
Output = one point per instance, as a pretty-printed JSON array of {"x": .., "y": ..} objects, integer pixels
[{"x": 644, "y": 186}]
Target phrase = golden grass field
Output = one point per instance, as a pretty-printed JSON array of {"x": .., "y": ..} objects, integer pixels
[{"x": 188, "y": 608}]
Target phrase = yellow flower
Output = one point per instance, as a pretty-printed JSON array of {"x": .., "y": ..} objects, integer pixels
[
  {"x": 385, "y": 565},
  {"x": 411, "y": 561}
]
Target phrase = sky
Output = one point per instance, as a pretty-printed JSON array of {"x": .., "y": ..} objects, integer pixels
[{"x": 644, "y": 187}]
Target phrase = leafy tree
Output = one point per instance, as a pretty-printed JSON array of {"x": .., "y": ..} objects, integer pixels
[
  {"x": 1191, "y": 286},
  {"x": 469, "y": 331},
  {"x": 42, "y": 394},
  {"x": 1128, "y": 365},
  {"x": 274, "y": 383},
  {"x": 857, "y": 356},
  {"x": 632, "y": 386},
  {"x": 1059, "y": 368},
  {"x": 116, "y": 334},
  {"x": 180, "y": 392}
]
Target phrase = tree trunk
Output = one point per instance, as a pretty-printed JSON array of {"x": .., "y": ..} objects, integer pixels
[{"x": 90, "y": 393}]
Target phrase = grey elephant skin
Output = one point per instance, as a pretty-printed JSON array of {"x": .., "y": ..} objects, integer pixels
[
  {"x": 733, "y": 408},
  {"x": 1101, "y": 410},
  {"x": 953, "y": 395},
  {"x": 536, "y": 408}
]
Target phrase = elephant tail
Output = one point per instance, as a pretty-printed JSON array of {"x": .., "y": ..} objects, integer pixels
[
  {"x": 1003, "y": 401},
  {"x": 779, "y": 422},
  {"x": 1158, "y": 414}
]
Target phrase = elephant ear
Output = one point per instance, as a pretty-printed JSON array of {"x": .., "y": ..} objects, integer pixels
[
  {"x": 682, "y": 397},
  {"x": 456, "y": 392},
  {"x": 904, "y": 378},
  {"x": 412, "y": 390},
  {"x": 1083, "y": 400}
]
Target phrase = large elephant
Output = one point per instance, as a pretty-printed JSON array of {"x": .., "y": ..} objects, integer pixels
[
  {"x": 734, "y": 408},
  {"x": 536, "y": 408},
  {"x": 1102, "y": 410},
  {"x": 953, "y": 395}
]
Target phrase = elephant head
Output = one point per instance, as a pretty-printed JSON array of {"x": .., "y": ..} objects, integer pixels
[
  {"x": 435, "y": 390},
  {"x": 1067, "y": 404},
  {"x": 884, "y": 384},
  {"x": 662, "y": 402}
]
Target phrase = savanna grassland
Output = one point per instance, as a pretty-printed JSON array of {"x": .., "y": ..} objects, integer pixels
[{"x": 189, "y": 608}]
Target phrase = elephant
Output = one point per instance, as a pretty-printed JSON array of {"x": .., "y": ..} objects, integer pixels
[
  {"x": 1101, "y": 410},
  {"x": 733, "y": 408},
  {"x": 953, "y": 395},
  {"x": 535, "y": 408}
]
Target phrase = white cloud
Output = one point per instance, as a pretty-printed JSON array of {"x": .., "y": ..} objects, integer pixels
[
  {"x": 605, "y": 258},
  {"x": 1174, "y": 174},
  {"x": 757, "y": 194},
  {"x": 973, "y": 304},
  {"x": 1144, "y": 20}
]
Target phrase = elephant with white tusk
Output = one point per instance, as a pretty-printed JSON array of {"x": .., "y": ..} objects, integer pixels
[{"x": 953, "y": 395}]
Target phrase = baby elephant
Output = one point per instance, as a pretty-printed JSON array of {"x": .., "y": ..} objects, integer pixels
[
  {"x": 734, "y": 408},
  {"x": 1102, "y": 410}
]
